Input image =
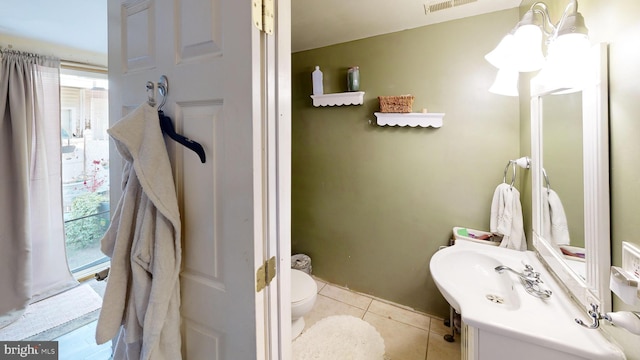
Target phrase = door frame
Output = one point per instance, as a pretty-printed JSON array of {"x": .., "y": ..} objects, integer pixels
[{"x": 277, "y": 88}]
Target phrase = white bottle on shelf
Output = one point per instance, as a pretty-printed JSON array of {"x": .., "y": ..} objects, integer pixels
[{"x": 316, "y": 77}]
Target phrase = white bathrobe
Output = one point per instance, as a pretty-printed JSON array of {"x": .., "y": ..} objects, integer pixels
[
  {"x": 506, "y": 217},
  {"x": 142, "y": 298}
]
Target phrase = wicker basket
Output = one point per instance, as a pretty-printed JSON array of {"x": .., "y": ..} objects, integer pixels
[{"x": 396, "y": 104}]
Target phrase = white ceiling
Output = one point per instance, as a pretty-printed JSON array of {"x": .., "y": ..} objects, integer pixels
[
  {"x": 317, "y": 23},
  {"x": 82, "y": 24}
]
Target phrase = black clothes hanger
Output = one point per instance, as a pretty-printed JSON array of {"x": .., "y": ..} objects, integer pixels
[{"x": 166, "y": 125}]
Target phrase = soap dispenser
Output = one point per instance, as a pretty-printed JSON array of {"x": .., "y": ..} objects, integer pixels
[{"x": 316, "y": 77}]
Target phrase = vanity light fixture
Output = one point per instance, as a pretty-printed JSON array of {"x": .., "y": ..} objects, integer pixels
[
  {"x": 567, "y": 48},
  {"x": 506, "y": 82}
]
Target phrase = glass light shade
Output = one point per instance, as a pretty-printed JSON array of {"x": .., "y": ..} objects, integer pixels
[
  {"x": 572, "y": 23},
  {"x": 567, "y": 63},
  {"x": 500, "y": 56},
  {"x": 506, "y": 83},
  {"x": 527, "y": 54}
]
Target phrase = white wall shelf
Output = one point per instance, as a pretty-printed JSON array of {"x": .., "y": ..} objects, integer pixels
[
  {"x": 410, "y": 119},
  {"x": 339, "y": 99}
]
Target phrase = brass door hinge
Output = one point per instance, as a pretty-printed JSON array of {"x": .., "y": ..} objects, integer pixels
[
  {"x": 265, "y": 274},
  {"x": 263, "y": 15}
]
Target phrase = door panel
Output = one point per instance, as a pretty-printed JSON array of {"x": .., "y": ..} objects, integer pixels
[
  {"x": 214, "y": 69},
  {"x": 138, "y": 41},
  {"x": 199, "y": 30},
  {"x": 203, "y": 259},
  {"x": 203, "y": 279}
]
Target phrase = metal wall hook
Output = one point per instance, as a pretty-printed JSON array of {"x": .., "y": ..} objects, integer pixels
[
  {"x": 595, "y": 317},
  {"x": 151, "y": 93},
  {"x": 163, "y": 89}
]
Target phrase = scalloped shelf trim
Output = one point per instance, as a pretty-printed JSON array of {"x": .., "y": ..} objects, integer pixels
[
  {"x": 410, "y": 119},
  {"x": 339, "y": 99}
]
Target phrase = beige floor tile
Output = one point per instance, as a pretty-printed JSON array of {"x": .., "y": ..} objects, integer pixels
[
  {"x": 320, "y": 283},
  {"x": 325, "y": 306},
  {"x": 438, "y": 327},
  {"x": 440, "y": 349},
  {"x": 402, "y": 341},
  {"x": 346, "y": 296},
  {"x": 400, "y": 314}
]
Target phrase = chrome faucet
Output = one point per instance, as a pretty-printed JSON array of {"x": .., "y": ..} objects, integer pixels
[
  {"x": 527, "y": 274},
  {"x": 530, "y": 279}
]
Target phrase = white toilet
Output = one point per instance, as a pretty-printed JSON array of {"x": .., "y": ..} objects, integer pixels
[{"x": 303, "y": 295}]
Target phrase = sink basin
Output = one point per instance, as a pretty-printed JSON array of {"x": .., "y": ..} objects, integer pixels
[
  {"x": 470, "y": 275},
  {"x": 498, "y": 304}
]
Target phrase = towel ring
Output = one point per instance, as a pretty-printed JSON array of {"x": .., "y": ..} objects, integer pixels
[
  {"x": 513, "y": 176},
  {"x": 546, "y": 180}
]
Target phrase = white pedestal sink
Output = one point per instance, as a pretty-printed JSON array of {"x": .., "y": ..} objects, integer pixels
[{"x": 503, "y": 321}]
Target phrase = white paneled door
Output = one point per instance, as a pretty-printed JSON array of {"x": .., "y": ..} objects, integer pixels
[{"x": 228, "y": 90}]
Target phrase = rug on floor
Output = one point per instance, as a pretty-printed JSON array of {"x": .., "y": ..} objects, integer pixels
[
  {"x": 339, "y": 337},
  {"x": 51, "y": 312}
]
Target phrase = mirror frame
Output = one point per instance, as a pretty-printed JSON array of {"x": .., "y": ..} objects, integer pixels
[{"x": 595, "y": 110}]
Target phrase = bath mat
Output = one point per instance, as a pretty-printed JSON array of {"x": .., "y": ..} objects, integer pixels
[
  {"x": 51, "y": 312},
  {"x": 339, "y": 337}
]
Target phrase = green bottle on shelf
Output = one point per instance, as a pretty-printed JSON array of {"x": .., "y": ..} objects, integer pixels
[{"x": 353, "y": 78}]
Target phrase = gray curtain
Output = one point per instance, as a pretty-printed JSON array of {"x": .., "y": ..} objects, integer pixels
[{"x": 33, "y": 262}]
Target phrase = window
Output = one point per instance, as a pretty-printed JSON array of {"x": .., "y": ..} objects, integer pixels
[{"x": 85, "y": 165}]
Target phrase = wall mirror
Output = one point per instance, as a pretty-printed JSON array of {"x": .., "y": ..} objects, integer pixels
[{"x": 569, "y": 145}]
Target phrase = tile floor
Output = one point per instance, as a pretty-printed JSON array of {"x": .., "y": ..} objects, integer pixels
[
  {"x": 408, "y": 335},
  {"x": 80, "y": 344}
]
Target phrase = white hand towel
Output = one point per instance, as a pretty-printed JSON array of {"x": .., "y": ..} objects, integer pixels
[
  {"x": 554, "y": 219},
  {"x": 506, "y": 217},
  {"x": 500, "y": 223}
]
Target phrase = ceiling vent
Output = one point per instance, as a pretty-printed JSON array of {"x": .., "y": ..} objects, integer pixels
[{"x": 434, "y": 6}]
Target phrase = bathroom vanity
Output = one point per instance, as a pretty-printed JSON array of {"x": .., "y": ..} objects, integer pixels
[{"x": 501, "y": 320}]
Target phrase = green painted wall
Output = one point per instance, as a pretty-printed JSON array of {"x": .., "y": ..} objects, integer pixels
[{"x": 372, "y": 204}]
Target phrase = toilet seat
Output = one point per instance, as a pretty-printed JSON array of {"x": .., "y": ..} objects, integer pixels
[{"x": 302, "y": 286}]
